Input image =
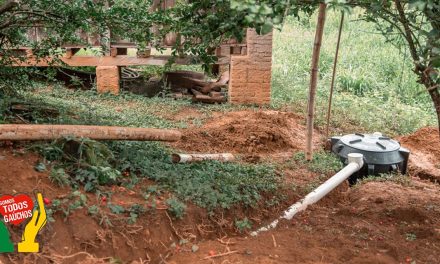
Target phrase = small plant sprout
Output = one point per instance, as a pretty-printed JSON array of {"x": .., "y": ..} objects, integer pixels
[
  {"x": 243, "y": 225},
  {"x": 176, "y": 207}
]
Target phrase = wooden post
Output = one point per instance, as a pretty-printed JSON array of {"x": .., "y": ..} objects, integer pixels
[
  {"x": 314, "y": 79},
  {"x": 332, "y": 85}
]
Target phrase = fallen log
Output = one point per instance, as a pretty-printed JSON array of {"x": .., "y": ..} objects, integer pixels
[
  {"x": 195, "y": 83},
  {"x": 208, "y": 99},
  {"x": 20, "y": 108},
  {"x": 183, "y": 79},
  {"x": 187, "y": 158},
  {"x": 224, "y": 78},
  {"x": 216, "y": 86},
  {"x": 50, "y": 132},
  {"x": 215, "y": 94},
  {"x": 195, "y": 92}
]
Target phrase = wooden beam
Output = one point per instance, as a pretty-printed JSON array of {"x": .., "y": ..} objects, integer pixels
[
  {"x": 314, "y": 79},
  {"x": 113, "y": 51},
  {"x": 70, "y": 52},
  {"x": 119, "y": 60}
]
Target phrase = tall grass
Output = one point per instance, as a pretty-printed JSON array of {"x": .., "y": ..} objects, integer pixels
[{"x": 375, "y": 87}]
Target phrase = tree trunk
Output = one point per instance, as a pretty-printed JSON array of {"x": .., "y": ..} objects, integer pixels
[
  {"x": 314, "y": 79},
  {"x": 435, "y": 96}
]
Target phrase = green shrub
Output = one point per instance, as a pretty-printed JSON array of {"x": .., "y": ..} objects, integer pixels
[
  {"x": 373, "y": 92},
  {"x": 176, "y": 207},
  {"x": 323, "y": 162},
  {"x": 59, "y": 177},
  {"x": 243, "y": 225}
]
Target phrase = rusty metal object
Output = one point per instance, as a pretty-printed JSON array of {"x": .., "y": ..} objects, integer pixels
[{"x": 127, "y": 73}]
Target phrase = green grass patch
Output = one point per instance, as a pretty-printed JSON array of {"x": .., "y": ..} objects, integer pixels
[
  {"x": 376, "y": 89},
  {"x": 322, "y": 162},
  {"x": 90, "y": 108},
  {"x": 209, "y": 184},
  {"x": 398, "y": 178}
]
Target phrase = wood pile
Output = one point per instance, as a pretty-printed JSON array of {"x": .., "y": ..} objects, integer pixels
[{"x": 195, "y": 85}]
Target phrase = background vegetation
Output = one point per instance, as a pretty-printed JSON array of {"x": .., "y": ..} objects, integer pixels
[{"x": 376, "y": 88}]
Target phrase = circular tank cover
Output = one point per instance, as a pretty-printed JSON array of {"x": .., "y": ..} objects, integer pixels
[{"x": 375, "y": 142}]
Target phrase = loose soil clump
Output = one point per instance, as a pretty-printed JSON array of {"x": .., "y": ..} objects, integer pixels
[{"x": 424, "y": 160}]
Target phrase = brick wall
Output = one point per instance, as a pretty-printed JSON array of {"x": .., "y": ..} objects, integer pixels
[
  {"x": 251, "y": 74},
  {"x": 107, "y": 79}
]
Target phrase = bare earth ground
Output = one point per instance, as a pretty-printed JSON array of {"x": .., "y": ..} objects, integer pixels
[
  {"x": 369, "y": 224},
  {"x": 425, "y": 152},
  {"x": 376, "y": 222},
  {"x": 255, "y": 135}
]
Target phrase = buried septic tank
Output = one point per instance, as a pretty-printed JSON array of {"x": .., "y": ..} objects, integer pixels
[{"x": 381, "y": 154}]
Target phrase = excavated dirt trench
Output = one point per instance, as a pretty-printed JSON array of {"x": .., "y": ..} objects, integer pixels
[
  {"x": 377, "y": 222},
  {"x": 83, "y": 237}
]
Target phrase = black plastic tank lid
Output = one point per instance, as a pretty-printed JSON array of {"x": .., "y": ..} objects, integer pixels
[{"x": 375, "y": 142}]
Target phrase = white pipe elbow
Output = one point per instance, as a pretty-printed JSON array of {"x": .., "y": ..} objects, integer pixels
[{"x": 356, "y": 158}]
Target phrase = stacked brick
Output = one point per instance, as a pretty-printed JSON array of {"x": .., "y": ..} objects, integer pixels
[
  {"x": 107, "y": 79},
  {"x": 250, "y": 80}
]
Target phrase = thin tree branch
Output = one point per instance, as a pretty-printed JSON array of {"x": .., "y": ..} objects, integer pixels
[
  {"x": 408, "y": 34},
  {"x": 8, "y": 5}
]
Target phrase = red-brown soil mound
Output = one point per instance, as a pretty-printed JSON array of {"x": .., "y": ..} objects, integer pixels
[
  {"x": 425, "y": 153},
  {"x": 247, "y": 132}
]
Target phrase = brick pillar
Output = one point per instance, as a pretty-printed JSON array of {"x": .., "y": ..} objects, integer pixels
[
  {"x": 250, "y": 80},
  {"x": 107, "y": 79}
]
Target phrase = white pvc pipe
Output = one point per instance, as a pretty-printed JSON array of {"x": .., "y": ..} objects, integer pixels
[
  {"x": 187, "y": 158},
  {"x": 355, "y": 163}
]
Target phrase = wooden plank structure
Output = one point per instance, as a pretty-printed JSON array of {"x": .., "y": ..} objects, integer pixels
[
  {"x": 248, "y": 62},
  {"x": 116, "y": 53},
  {"x": 116, "y": 60}
]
